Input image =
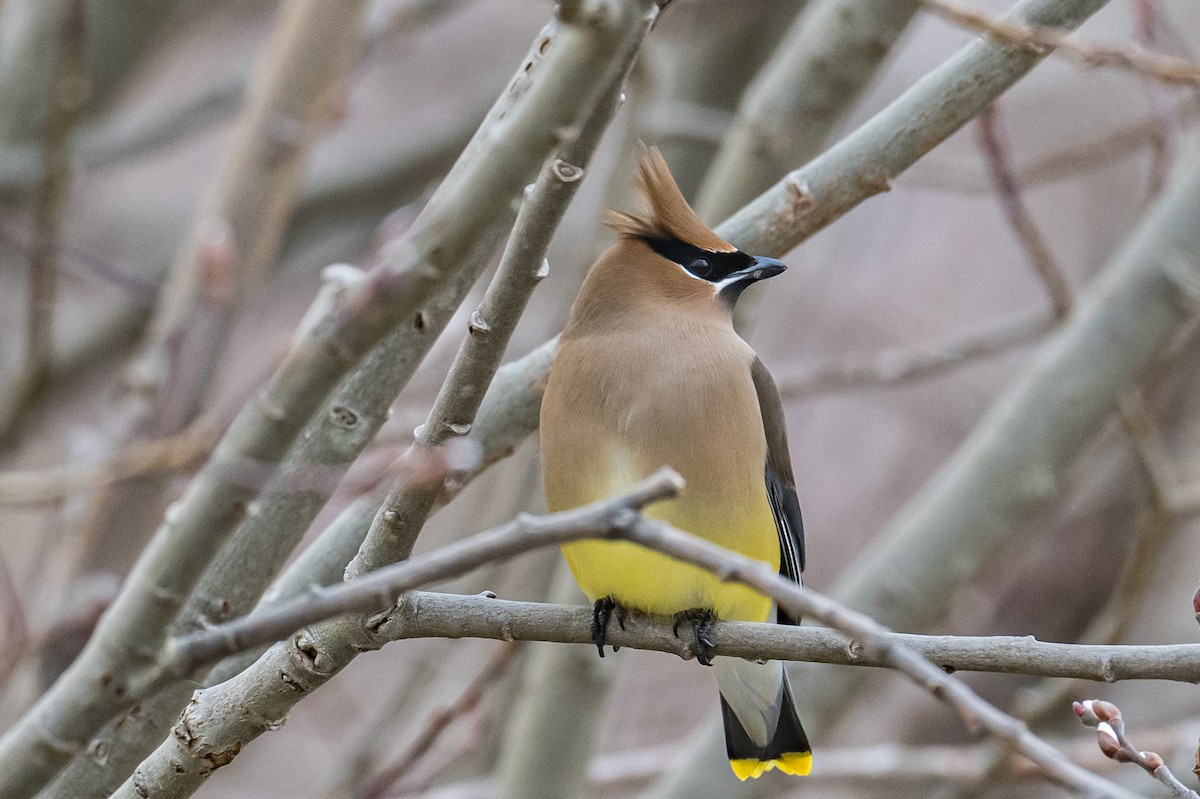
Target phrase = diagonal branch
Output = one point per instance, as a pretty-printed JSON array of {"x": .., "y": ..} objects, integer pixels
[
  {"x": 1043, "y": 39},
  {"x": 620, "y": 519},
  {"x": 544, "y": 101}
]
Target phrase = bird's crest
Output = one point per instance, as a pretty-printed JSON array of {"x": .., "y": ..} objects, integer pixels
[{"x": 667, "y": 215}]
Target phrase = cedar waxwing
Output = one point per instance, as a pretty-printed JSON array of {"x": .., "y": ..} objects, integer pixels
[{"x": 650, "y": 372}]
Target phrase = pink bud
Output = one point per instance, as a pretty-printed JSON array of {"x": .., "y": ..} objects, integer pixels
[
  {"x": 1106, "y": 711},
  {"x": 1152, "y": 759},
  {"x": 1085, "y": 712},
  {"x": 1107, "y": 739}
]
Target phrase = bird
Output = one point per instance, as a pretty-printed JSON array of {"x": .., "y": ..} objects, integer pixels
[{"x": 649, "y": 371}]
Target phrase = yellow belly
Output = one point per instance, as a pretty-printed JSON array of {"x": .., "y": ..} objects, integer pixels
[
  {"x": 640, "y": 579},
  {"x": 608, "y": 422}
]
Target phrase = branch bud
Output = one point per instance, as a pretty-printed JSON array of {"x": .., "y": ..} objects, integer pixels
[{"x": 1107, "y": 739}]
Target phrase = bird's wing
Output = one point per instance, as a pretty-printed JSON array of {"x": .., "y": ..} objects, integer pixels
[{"x": 781, "y": 485}]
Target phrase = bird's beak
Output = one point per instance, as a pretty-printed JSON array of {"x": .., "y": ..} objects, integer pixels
[{"x": 761, "y": 269}]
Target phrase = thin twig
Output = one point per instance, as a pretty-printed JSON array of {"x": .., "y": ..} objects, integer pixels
[
  {"x": 1008, "y": 188},
  {"x": 169, "y": 454},
  {"x": 1105, "y": 718},
  {"x": 1043, "y": 40},
  {"x": 1104, "y": 150},
  {"x": 522, "y": 267},
  {"x": 901, "y": 365},
  {"x": 379, "y": 589},
  {"x": 68, "y": 89},
  {"x": 440, "y": 720},
  {"x": 16, "y": 623},
  {"x": 1162, "y": 114},
  {"x": 977, "y": 714}
]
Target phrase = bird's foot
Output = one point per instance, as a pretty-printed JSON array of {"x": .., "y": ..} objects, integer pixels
[
  {"x": 603, "y": 612},
  {"x": 701, "y": 621}
]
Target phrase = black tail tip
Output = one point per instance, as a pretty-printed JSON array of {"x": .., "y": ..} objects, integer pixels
[{"x": 788, "y": 750}]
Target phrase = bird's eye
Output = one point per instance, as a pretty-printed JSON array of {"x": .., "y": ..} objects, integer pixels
[{"x": 700, "y": 267}]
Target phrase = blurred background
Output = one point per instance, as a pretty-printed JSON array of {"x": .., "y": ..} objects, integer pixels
[{"x": 890, "y": 336}]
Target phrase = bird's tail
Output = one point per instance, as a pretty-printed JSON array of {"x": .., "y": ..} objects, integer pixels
[{"x": 762, "y": 730}]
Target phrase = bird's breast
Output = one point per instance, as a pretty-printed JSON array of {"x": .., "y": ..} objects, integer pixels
[{"x": 614, "y": 412}]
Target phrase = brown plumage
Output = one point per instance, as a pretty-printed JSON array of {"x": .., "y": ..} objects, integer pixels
[{"x": 650, "y": 371}]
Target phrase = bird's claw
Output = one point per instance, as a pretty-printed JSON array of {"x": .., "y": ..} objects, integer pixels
[
  {"x": 701, "y": 621},
  {"x": 602, "y": 612}
]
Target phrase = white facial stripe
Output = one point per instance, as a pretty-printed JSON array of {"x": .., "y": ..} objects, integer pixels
[
  {"x": 683, "y": 269},
  {"x": 729, "y": 281}
]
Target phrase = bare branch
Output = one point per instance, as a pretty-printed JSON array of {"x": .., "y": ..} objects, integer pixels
[
  {"x": 68, "y": 89},
  {"x": 801, "y": 602},
  {"x": 614, "y": 519},
  {"x": 432, "y": 615},
  {"x": 826, "y": 60},
  {"x": 37, "y": 486},
  {"x": 438, "y": 721},
  {"x": 901, "y": 365},
  {"x": 1105, "y": 718},
  {"x": 379, "y": 589},
  {"x": 1044, "y": 39},
  {"x": 866, "y": 161},
  {"x": 1004, "y": 178},
  {"x": 544, "y": 102}
]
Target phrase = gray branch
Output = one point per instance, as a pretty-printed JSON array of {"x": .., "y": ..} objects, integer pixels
[
  {"x": 619, "y": 519},
  {"x": 434, "y": 615},
  {"x": 814, "y": 78},
  {"x": 541, "y": 103}
]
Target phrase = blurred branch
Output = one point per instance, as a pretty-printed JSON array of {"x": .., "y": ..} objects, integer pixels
[
  {"x": 223, "y": 258},
  {"x": 523, "y": 265},
  {"x": 866, "y": 161},
  {"x": 68, "y": 89},
  {"x": 169, "y": 454},
  {"x": 258, "y": 185},
  {"x": 1162, "y": 114},
  {"x": 16, "y": 623},
  {"x": 695, "y": 77},
  {"x": 902, "y": 365},
  {"x": 1008, "y": 188},
  {"x": 1042, "y": 39},
  {"x": 119, "y": 32},
  {"x": 1105, "y": 718},
  {"x": 437, "y": 722},
  {"x": 813, "y": 79},
  {"x": 515, "y": 139}
]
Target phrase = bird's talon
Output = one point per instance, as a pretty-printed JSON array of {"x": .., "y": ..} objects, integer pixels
[{"x": 602, "y": 612}]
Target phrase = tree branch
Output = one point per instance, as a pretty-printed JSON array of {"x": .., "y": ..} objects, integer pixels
[
  {"x": 434, "y": 615},
  {"x": 1008, "y": 187},
  {"x": 618, "y": 519},
  {"x": 813, "y": 79},
  {"x": 1043, "y": 39},
  {"x": 544, "y": 101},
  {"x": 1105, "y": 718}
]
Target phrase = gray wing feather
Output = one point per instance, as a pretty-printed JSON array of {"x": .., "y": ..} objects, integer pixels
[{"x": 781, "y": 484}]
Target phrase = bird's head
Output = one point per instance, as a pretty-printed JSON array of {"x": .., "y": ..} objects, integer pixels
[{"x": 683, "y": 253}]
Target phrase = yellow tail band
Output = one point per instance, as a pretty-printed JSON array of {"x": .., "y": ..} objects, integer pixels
[{"x": 797, "y": 763}]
